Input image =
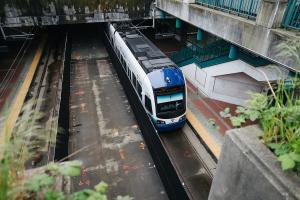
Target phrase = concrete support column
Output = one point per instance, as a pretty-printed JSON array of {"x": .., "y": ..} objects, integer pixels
[
  {"x": 271, "y": 13},
  {"x": 183, "y": 33},
  {"x": 233, "y": 52},
  {"x": 199, "y": 35}
]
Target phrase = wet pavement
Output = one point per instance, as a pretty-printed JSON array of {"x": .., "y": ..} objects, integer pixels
[{"x": 103, "y": 129}]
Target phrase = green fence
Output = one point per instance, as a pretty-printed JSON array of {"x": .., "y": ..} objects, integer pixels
[
  {"x": 245, "y": 8},
  {"x": 211, "y": 51},
  {"x": 292, "y": 15}
]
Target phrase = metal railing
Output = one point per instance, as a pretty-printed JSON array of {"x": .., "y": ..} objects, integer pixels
[
  {"x": 245, "y": 8},
  {"x": 292, "y": 15},
  {"x": 211, "y": 51}
]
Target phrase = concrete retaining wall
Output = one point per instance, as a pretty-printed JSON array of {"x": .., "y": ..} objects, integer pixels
[{"x": 247, "y": 170}]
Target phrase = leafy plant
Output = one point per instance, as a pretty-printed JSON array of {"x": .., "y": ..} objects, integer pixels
[
  {"x": 255, "y": 106},
  {"x": 23, "y": 145},
  {"x": 278, "y": 113},
  {"x": 225, "y": 113},
  {"x": 279, "y": 117}
]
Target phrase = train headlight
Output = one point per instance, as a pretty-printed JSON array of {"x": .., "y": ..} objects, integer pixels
[{"x": 160, "y": 122}]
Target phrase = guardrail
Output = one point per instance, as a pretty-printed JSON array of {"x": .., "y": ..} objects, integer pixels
[
  {"x": 292, "y": 15},
  {"x": 245, "y": 8},
  {"x": 165, "y": 168},
  {"x": 211, "y": 51}
]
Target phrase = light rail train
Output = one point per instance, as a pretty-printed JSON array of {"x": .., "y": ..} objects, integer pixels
[{"x": 158, "y": 82}]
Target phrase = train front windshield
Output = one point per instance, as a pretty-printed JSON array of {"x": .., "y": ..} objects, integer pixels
[{"x": 170, "y": 105}]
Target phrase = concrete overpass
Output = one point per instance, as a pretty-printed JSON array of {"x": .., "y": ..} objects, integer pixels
[
  {"x": 259, "y": 33},
  {"x": 50, "y": 12}
]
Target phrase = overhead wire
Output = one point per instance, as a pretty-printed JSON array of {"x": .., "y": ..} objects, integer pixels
[{"x": 16, "y": 62}]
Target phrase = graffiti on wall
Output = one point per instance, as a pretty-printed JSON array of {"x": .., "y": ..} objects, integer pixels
[{"x": 52, "y": 12}]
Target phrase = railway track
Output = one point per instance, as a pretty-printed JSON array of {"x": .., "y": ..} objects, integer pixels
[
  {"x": 44, "y": 94},
  {"x": 184, "y": 166},
  {"x": 185, "y": 174}
]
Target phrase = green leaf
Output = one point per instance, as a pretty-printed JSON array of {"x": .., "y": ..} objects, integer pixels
[
  {"x": 97, "y": 196},
  {"x": 82, "y": 195},
  {"x": 225, "y": 113},
  {"x": 39, "y": 181},
  {"x": 101, "y": 187},
  {"x": 53, "y": 167},
  {"x": 283, "y": 149},
  {"x": 286, "y": 162},
  {"x": 240, "y": 109},
  {"x": 254, "y": 115},
  {"x": 237, "y": 120},
  {"x": 295, "y": 156},
  {"x": 54, "y": 195},
  {"x": 71, "y": 168},
  {"x": 273, "y": 145}
]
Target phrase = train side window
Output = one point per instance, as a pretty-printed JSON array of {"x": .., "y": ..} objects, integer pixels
[
  {"x": 148, "y": 104},
  {"x": 124, "y": 63},
  {"x": 133, "y": 80},
  {"x": 128, "y": 73},
  {"x": 139, "y": 89}
]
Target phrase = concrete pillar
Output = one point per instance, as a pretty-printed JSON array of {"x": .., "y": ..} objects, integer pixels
[
  {"x": 178, "y": 23},
  {"x": 199, "y": 35},
  {"x": 233, "y": 52},
  {"x": 183, "y": 33},
  {"x": 271, "y": 13}
]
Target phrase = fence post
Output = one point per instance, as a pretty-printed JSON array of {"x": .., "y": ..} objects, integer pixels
[
  {"x": 232, "y": 52},
  {"x": 199, "y": 34},
  {"x": 178, "y": 23}
]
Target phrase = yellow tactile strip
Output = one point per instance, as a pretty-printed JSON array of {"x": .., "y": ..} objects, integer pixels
[
  {"x": 204, "y": 134},
  {"x": 22, "y": 92}
]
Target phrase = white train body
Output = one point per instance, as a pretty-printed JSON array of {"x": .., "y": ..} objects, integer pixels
[{"x": 159, "y": 83}]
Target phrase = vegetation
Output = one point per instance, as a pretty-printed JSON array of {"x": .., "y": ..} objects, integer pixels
[
  {"x": 26, "y": 143},
  {"x": 278, "y": 113}
]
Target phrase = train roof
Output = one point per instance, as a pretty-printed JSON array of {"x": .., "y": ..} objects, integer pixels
[{"x": 147, "y": 54}]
